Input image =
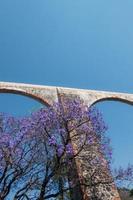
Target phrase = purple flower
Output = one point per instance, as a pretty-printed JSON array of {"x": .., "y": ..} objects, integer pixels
[
  {"x": 60, "y": 150},
  {"x": 69, "y": 149},
  {"x": 96, "y": 119},
  {"x": 90, "y": 140},
  {"x": 52, "y": 140}
]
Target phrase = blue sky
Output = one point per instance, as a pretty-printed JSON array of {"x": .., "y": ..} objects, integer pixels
[{"x": 73, "y": 43}]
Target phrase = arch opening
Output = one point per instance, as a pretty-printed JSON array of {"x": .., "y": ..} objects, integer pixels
[
  {"x": 112, "y": 99},
  {"x": 18, "y": 104},
  {"x": 24, "y": 93},
  {"x": 118, "y": 115}
]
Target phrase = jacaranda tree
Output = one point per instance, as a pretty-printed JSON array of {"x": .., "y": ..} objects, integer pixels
[{"x": 39, "y": 154}]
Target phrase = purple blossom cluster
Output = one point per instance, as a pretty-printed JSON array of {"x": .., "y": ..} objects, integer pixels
[
  {"x": 50, "y": 138},
  {"x": 53, "y": 126},
  {"x": 69, "y": 149},
  {"x": 56, "y": 123},
  {"x": 97, "y": 121}
]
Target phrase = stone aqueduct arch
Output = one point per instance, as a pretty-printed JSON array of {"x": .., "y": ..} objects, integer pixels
[{"x": 47, "y": 95}]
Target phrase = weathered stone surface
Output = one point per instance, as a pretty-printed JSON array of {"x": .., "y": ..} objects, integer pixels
[{"x": 48, "y": 95}]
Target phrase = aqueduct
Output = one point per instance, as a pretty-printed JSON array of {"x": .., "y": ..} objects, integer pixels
[{"x": 47, "y": 95}]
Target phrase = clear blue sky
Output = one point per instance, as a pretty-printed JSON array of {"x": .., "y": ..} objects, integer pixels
[{"x": 73, "y": 43}]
